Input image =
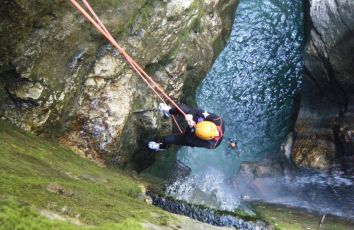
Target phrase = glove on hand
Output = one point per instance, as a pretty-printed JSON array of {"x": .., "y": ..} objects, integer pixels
[
  {"x": 165, "y": 109},
  {"x": 189, "y": 120}
]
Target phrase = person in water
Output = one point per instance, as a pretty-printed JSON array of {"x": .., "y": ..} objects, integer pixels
[
  {"x": 204, "y": 129},
  {"x": 232, "y": 148}
]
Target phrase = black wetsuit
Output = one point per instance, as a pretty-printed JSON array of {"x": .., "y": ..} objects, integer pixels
[{"x": 188, "y": 138}]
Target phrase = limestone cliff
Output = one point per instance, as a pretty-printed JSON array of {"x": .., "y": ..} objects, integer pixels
[
  {"x": 57, "y": 71},
  {"x": 326, "y": 117}
]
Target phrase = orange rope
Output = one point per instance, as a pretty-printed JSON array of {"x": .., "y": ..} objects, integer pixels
[
  {"x": 126, "y": 56},
  {"x": 101, "y": 28}
]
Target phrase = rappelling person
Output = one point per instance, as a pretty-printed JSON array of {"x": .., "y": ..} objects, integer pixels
[{"x": 204, "y": 129}]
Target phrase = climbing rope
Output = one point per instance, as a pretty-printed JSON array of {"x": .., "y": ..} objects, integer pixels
[{"x": 97, "y": 23}]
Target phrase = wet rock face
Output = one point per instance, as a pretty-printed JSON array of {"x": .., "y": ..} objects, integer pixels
[
  {"x": 254, "y": 180},
  {"x": 249, "y": 172},
  {"x": 26, "y": 90},
  {"x": 57, "y": 71},
  {"x": 206, "y": 215},
  {"x": 327, "y": 97}
]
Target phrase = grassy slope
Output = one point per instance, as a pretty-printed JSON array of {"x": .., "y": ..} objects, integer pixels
[
  {"x": 101, "y": 198},
  {"x": 31, "y": 167},
  {"x": 284, "y": 218}
]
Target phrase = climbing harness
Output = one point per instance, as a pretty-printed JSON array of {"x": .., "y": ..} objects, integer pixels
[{"x": 97, "y": 23}]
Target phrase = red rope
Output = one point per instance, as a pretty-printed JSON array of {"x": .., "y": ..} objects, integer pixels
[{"x": 101, "y": 28}]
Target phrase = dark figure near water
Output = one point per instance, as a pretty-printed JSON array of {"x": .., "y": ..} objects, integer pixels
[
  {"x": 232, "y": 148},
  {"x": 204, "y": 129}
]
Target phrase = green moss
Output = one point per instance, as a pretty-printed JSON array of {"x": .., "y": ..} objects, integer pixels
[
  {"x": 218, "y": 46},
  {"x": 246, "y": 214},
  {"x": 19, "y": 216},
  {"x": 105, "y": 4},
  {"x": 100, "y": 196},
  {"x": 196, "y": 5},
  {"x": 14, "y": 215},
  {"x": 143, "y": 12},
  {"x": 286, "y": 218}
]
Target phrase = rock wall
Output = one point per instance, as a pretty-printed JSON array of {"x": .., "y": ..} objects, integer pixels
[
  {"x": 60, "y": 78},
  {"x": 325, "y": 121}
]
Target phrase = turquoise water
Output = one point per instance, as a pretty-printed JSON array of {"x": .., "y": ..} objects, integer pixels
[{"x": 251, "y": 85}]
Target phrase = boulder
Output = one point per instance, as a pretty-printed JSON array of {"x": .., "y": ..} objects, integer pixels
[
  {"x": 26, "y": 90},
  {"x": 250, "y": 171},
  {"x": 327, "y": 95}
]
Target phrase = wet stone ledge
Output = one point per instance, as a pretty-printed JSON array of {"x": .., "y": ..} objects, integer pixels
[{"x": 206, "y": 215}]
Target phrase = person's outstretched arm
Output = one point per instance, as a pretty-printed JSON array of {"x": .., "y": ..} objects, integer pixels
[{"x": 185, "y": 108}]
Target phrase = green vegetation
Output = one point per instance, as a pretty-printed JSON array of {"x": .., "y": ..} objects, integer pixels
[
  {"x": 105, "y": 4},
  {"x": 285, "y": 218},
  {"x": 19, "y": 216},
  {"x": 16, "y": 216},
  {"x": 39, "y": 175}
]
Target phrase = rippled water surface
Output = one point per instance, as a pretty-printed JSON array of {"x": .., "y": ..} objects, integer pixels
[
  {"x": 251, "y": 84},
  {"x": 253, "y": 81}
]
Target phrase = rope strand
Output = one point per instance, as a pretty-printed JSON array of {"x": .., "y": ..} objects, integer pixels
[
  {"x": 101, "y": 28},
  {"x": 97, "y": 23}
]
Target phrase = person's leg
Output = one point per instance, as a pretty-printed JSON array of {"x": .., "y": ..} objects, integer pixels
[
  {"x": 194, "y": 141},
  {"x": 174, "y": 139},
  {"x": 186, "y": 139},
  {"x": 185, "y": 108}
]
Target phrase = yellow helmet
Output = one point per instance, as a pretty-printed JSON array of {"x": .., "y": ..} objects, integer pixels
[{"x": 206, "y": 130}]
